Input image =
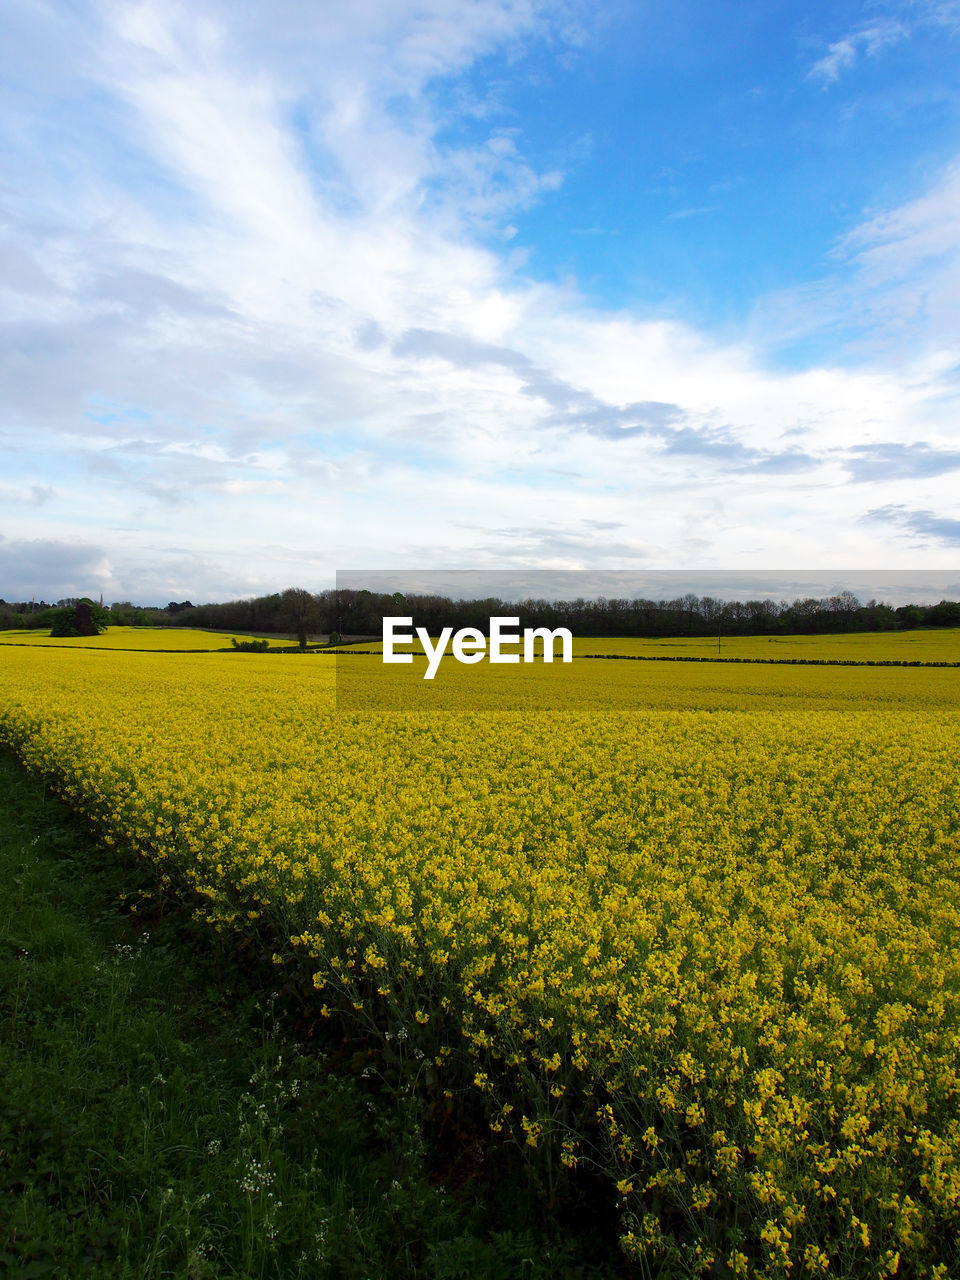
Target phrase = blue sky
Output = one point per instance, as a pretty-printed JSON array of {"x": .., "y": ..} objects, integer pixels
[{"x": 503, "y": 284}]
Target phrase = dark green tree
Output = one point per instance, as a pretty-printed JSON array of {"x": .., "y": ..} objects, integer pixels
[
  {"x": 82, "y": 619},
  {"x": 299, "y": 613}
]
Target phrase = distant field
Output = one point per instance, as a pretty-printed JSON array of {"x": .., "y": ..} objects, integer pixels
[
  {"x": 941, "y": 645},
  {"x": 140, "y": 638}
]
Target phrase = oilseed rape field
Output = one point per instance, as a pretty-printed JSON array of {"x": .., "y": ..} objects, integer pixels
[
  {"x": 689, "y": 929},
  {"x": 923, "y": 647},
  {"x": 159, "y": 639}
]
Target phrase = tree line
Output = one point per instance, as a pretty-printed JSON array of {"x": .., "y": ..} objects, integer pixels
[{"x": 353, "y": 613}]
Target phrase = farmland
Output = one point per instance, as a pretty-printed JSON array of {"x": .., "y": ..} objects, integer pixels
[
  {"x": 933, "y": 645},
  {"x": 157, "y": 639},
  {"x": 690, "y": 927}
]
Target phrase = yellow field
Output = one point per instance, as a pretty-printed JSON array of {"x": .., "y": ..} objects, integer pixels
[
  {"x": 927, "y": 645},
  {"x": 694, "y": 926},
  {"x": 932, "y": 645},
  {"x": 146, "y": 638}
]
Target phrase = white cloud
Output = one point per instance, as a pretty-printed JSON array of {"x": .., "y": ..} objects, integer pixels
[
  {"x": 893, "y": 294},
  {"x": 840, "y": 55},
  {"x": 868, "y": 39},
  {"x": 908, "y": 259}
]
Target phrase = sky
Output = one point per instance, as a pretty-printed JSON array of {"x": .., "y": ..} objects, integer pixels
[{"x": 618, "y": 285}]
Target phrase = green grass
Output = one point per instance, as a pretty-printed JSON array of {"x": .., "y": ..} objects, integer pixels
[{"x": 160, "y": 1118}]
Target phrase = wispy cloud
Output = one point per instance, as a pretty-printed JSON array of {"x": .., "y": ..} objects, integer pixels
[
  {"x": 864, "y": 41},
  {"x": 679, "y": 215},
  {"x": 35, "y": 495},
  {"x": 908, "y": 259},
  {"x": 870, "y": 38},
  {"x": 892, "y": 288}
]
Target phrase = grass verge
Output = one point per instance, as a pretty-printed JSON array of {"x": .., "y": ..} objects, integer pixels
[{"x": 159, "y": 1119}]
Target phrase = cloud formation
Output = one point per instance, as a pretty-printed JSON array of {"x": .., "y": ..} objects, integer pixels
[
  {"x": 868, "y": 39},
  {"x": 262, "y": 318},
  {"x": 864, "y": 41},
  {"x": 922, "y": 527},
  {"x": 908, "y": 461},
  {"x": 28, "y": 566}
]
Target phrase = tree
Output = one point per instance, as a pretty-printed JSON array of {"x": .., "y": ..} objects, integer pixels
[
  {"x": 945, "y": 614},
  {"x": 10, "y": 618},
  {"x": 299, "y": 613},
  {"x": 83, "y": 619}
]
